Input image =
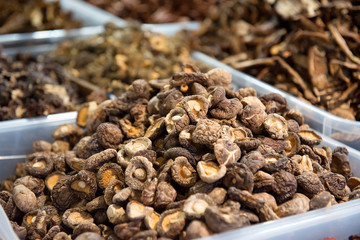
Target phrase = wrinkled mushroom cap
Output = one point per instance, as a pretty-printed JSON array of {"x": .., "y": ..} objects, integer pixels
[
  {"x": 276, "y": 126},
  {"x": 196, "y": 204}
]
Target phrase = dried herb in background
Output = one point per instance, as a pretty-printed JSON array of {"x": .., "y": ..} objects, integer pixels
[
  {"x": 307, "y": 48},
  {"x": 30, "y": 88},
  {"x": 19, "y": 16},
  {"x": 159, "y": 11},
  {"x": 115, "y": 58}
]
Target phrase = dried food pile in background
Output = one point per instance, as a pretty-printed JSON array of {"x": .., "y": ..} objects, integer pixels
[
  {"x": 159, "y": 11},
  {"x": 30, "y": 88},
  {"x": 19, "y": 16},
  {"x": 310, "y": 49},
  {"x": 179, "y": 158},
  {"x": 117, "y": 57}
]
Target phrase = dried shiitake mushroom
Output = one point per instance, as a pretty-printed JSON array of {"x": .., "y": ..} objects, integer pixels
[
  {"x": 138, "y": 171},
  {"x": 309, "y": 137},
  {"x": 109, "y": 172},
  {"x": 52, "y": 179},
  {"x": 210, "y": 172},
  {"x": 84, "y": 184},
  {"x": 276, "y": 126},
  {"x": 72, "y": 217},
  {"x": 176, "y": 120},
  {"x": 196, "y": 107},
  {"x": 24, "y": 198},
  {"x": 109, "y": 135},
  {"x": 226, "y": 152},
  {"x": 196, "y": 204},
  {"x": 97, "y": 160},
  {"x": 171, "y": 223},
  {"x": 40, "y": 164},
  {"x": 183, "y": 173}
]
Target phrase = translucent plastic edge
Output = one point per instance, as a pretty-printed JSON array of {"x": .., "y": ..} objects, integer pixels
[
  {"x": 50, "y": 35},
  {"x": 264, "y": 86},
  {"x": 13, "y": 125},
  {"x": 6, "y": 231},
  {"x": 290, "y": 224}
]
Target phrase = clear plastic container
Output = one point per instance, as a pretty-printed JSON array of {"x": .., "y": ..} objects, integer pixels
[
  {"x": 341, "y": 129},
  {"x": 338, "y": 221},
  {"x": 16, "y": 136}
]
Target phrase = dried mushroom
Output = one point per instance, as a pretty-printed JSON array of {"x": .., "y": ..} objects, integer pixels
[
  {"x": 72, "y": 217},
  {"x": 196, "y": 204},
  {"x": 221, "y": 219},
  {"x": 183, "y": 173},
  {"x": 137, "y": 144},
  {"x": 309, "y": 137},
  {"x": 69, "y": 132},
  {"x": 89, "y": 236},
  {"x": 98, "y": 159},
  {"x": 239, "y": 176},
  {"x": 197, "y": 229},
  {"x": 226, "y": 109},
  {"x": 138, "y": 171},
  {"x": 36, "y": 185},
  {"x": 165, "y": 194},
  {"x": 335, "y": 184},
  {"x": 24, "y": 198},
  {"x": 40, "y": 164},
  {"x": 114, "y": 187},
  {"x": 276, "y": 126},
  {"x": 171, "y": 223},
  {"x": 210, "y": 172},
  {"x": 309, "y": 184},
  {"x": 109, "y": 135},
  {"x": 176, "y": 120},
  {"x": 116, "y": 214},
  {"x": 226, "y": 152},
  {"x": 86, "y": 227},
  {"x": 253, "y": 117},
  {"x": 107, "y": 173},
  {"x": 299, "y": 204},
  {"x": 151, "y": 219},
  {"x": 127, "y": 230},
  {"x": 285, "y": 185},
  {"x": 84, "y": 184},
  {"x": 206, "y": 132},
  {"x": 52, "y": 179},
  {"x": 321, "y": 200}
]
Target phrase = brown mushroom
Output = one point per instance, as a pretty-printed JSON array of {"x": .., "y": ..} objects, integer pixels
[
  {"x": 97, "y": 160},
  {"x": 239, "y": 176},
  {"x": 62, "y": 195},
  {"x": 74, "y": 162},
  {"x": 227, "y": 109},
  {"x": 276, "y": 126},
  {"x": 72, "y": 217},
  {"x": 89, "y": 236},
  {"x": 60, "y": 146},
  {"x": 156, "y": 129},
  {"x": 183, "y": 173},
  {"x": 294, "y": 206},
  {"x": 86, "y": 227},
  {"x": 41, "y": 146},
  {"x": 176, "y": 120},
  {"x": 196, "y": 107},
  {"x": 147, "y": 234},
  {"x": 196, "y": 204},
  {"x": 116, "y": 214},
  {"x": 84, "y": 184},
  {"x": 254, "y": 160},
  {"x": 221, "y": 219},
  {"x": 309, "y": 184},
  {"x": 263, "y": 181},
  {"x": 320, "y": 200},
  {"x": 127, "y": 230},
  {"x": 206, "y": 132},
  {"x": 136, "y": 210},
  {"x": 253, "y": 117},
  {"x": 197, "y": 229},
  {"x": 296, "y": 115},
  {"x": 218, "y": 194},
  {"x": 285, "y": 185},
  {"x": 114, "y": 187},
  {"x": 122, "y": 195},
  {"x": 226, "y": 152},
  {"x": 245, "y": 198},
  {"x": 309, "y": 137},
  {"x": 68, "y": 131},
  {"x": 40, "y": 164},
  {"x": 138, "y": 171},
  {"x": 186, "y": 139},
  {"x": 24, "y": 198},
  {"x": 109, "y": 135},
  {"x": 52, "y": 179},
  {"x": 165, "y": 194},
  {"x": 151, "y": 219},
  {"x": 171, "y": 223},
  {"x": 87, "y": 146},
  {"x": 137, "y": 144},
  {"x": 109, "y": 172},
  {"x": 210, "y": 172},
  {"x": 252, "y": 100},
  {"x": 96, "y": 204}
]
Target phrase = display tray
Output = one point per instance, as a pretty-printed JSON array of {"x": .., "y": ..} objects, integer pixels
[
  {"x": 341, "y": 129},
  {"x": 338, "y": 221},
  {"x": 88, "y": 14}
]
